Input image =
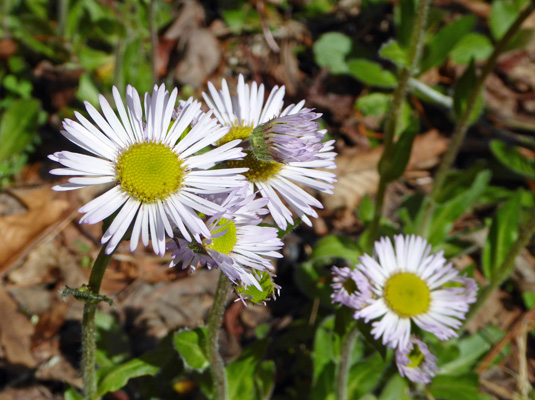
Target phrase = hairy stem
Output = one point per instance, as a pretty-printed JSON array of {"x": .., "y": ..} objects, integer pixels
[
  {"x": 153, "y": 42},
  {"x": 527, "y": 230},
  {"x": 464, "y": 121},
  {"x": 88, "y": 327},
  {"x": 343, "y": 367},
  {"x": 214, "y": 323},
  {"x": 413, "y": 55}
]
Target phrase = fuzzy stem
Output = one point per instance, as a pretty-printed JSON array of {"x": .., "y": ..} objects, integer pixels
[
  {"x": 463, "y": 122},
  {"x": 214, "y": 323},
  {"x": 527, "y": 230},
  {"x": 413, "y": 55},
  {"x": 88, "y": 327},
  {"x": 343, "y": 367},
  {"x": 153, "y": 42}
]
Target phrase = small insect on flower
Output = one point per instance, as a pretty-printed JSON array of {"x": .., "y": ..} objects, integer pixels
[
  {"x": 285, "y": 147},
  {"x": 411, "y": 285},
  {"x": 153, "y": 163},
  {"x": 84, "y": 294}
]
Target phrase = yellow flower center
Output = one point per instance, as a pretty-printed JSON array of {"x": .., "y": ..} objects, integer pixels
[
  {"x": 416, "y": 357},
  {"x": 259, "y": 171},
  {"x": 407, "y": 295},
  {"x": 236, "y": 132},
  {"x": 226, "y": 242},
  {"x": 149, "y": 171}
]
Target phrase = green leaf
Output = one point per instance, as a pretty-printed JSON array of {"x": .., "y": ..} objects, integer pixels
[
  {"x": 114, "y": 378},
  {"x": 470, "y": 350},
  {"x": 241, "y": 372},
  {"x": 190, "y": 344},
  {"x": 448, "y": 212},
  {"x": 445, "y": 387},
  {"x": 393, "y": 167},
  {"x": 17, "y": 127},
  {"x": 22, "y": 88},
  {"x": 529, "y": 299},
  {"x": 366, "y": 209},
  {"x": 314, "y": 282},
  {"x": 87, "y": 90},
  {"x": 502, "y": 234},
  {"x": 366, "y": 332},
  {"x": 265, "y": 380},
  {"x": 112, "y": 343},
  {"x": 326, "y": 346},
  {"x": 445, "y": 40},
  {"x": 365, "y": 375},
  {"x": 463, "y": 90},
  {"x": 332, "y": 246},
  {"x": 72, "y": 394},
  {"x": 396, "y": 389},
  {"x": 407, "y": 12},
  {"x": 512, "y": 159},
  {"x": 374, "y": 104},
  {"x": 92, "y": 59},
  {"x": 330, "y": 51},
  {"x": 392, "y": 51},
  {"x": 473, "y": 46},
  {"x": 371, "y": 73},
  {"x": 502, "y": 16}
]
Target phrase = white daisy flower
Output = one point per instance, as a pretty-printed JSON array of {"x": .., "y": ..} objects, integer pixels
[
  {"x": 416, "y": 362},
  {"x": 238, "y": 245},
  {"x": 294, "y": 147},
  {"x": 153, "y": 165},
  {"x": 350, "y": 287},
  {"x": 410, "y": 284}
]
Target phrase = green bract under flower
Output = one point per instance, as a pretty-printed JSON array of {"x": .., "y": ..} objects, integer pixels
[
  {"x": 254, "y": 295},
  {"x": 226, "y": 242},
  {"x": 149, "y": 171},
  {"x": 407, "y": 295}
]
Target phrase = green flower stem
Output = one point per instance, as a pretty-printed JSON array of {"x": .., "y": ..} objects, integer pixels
[
  {"x": 214, "y": 323},
  {"x": 63, "y": 10},
  {"x": 527, "y": 231},
  {"x": 413, "y": 54},
  {"x": 88, "y": 327},
  {"x": 343, "y": 366},
  {"x": 153, "y": 41},
  {"x": 464, "y": 121}
]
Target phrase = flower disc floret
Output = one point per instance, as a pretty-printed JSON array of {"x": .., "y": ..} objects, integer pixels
[
  {"x": 149, "y": 171},
  {"x": 223, "y": 237},
  {"x": 407, "y": 295},
  {"x": 236, "y": 131},
  {"x": 259, "y": 171}
]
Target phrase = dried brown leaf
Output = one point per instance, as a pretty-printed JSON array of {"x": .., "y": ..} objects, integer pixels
[
  {"x": 201, "y": 58},
  {"x": 21, "y": 231},
  {"x": 15, "y": 332},
  {"x": 357, "y": 173}
]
